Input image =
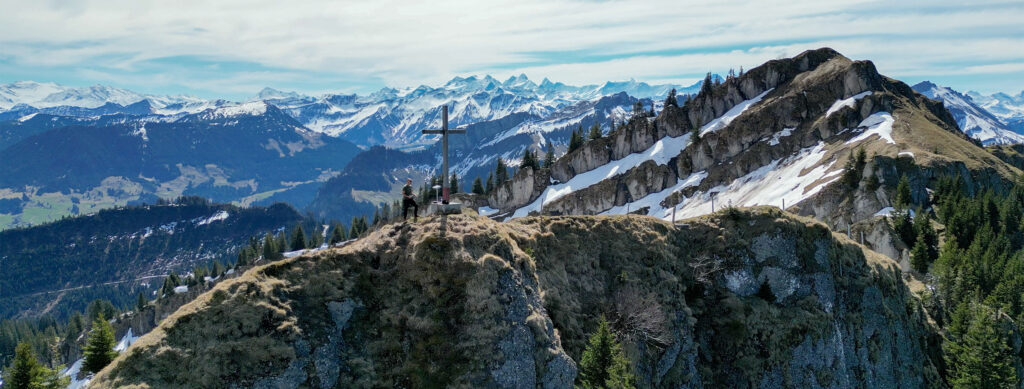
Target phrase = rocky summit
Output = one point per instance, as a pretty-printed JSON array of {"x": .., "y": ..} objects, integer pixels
[
  {"x": 739, "y": 298},
  {"x": 782, "y": 134}
]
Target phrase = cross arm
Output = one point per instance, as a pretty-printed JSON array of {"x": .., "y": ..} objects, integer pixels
[{"x": 450, "y": 131}]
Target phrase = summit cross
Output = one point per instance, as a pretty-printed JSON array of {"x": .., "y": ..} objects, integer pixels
[{"x": 444, "y": 131}]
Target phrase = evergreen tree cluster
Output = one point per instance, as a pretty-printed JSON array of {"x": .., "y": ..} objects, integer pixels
[
  {"x": 26, "y": 372},
  {"x": 978, "y": 275},
  {"x": 529, "y": 160},
  {"x": 854, "y": 169}
]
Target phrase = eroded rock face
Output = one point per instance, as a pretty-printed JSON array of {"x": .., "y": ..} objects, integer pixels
[{"x": 744, "y": 298}]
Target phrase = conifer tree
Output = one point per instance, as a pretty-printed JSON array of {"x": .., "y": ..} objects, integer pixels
[
  {"x": 141, "y": 302},
  {"x": 978, "y": 354},
  {"x": 99, "y": 350},
  {"x": 528, "y": 160},
  {"x": 478, "y": 186},
  {"x": 902, "y": 199},
  {"x": 705, "y": 86},
  {"x": 490, "y": 184},
  {"x": 576, "y": 140},
  {"x": 671, "y": 99},
  {"x": 337, "y": 234},
  {"x": 453, "y": 183},
  {"x": 549, "y": 156},
  {"x": 695, "y": 133},
  {"x": 298, "y": 239},
  {"x": 353, "y": 230},
  {"x": 919, "y": 257},
  {"x": 20, "y": 373},
  {"x": 270, "y": 250},
  {"x": 26, "y": 372},
  {"x": 595, "y": 131},
  {"x": 603, "y": 364},
  {"x": 638, "y": 109},
  {"x": 500, "y": 172},
  {"x": 281, "y": 243}
]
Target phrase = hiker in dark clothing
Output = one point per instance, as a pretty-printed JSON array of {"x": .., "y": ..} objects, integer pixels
[{"x": 409, "y": 200}]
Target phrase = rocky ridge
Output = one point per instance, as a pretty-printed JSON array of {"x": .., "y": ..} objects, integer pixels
[
  {"x": 740, "y": 298},
  {"x": 782, "y": 131}
]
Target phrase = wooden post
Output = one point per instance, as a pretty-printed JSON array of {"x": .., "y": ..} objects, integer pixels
[{"x": 674, "y": 214}]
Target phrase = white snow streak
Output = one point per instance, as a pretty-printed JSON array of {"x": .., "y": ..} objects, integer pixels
[
  {"x": 661, "y": 152},
  {"x": 778, "y": 135},
  {"x": 730, "y": 115},
  {"x": 768, "y": 185},
  {"x": 654, "y": 200},
  {"x": 126, "y": 341},
  {"x": 215, "y": 218},
  {"x": 879, "y": 123},
  {"x": 847, "y": 102}
]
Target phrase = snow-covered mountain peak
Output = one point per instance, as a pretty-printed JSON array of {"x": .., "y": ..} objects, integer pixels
[{"x": 974, "y": 118}]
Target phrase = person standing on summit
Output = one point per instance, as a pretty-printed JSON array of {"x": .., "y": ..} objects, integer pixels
[{"x": 409, "y": 200}]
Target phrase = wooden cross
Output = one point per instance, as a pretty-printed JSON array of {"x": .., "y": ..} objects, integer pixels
[{"x": 444, "y": 131}]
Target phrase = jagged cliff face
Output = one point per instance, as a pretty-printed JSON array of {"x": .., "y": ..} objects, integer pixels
[
  {"x": 753, "y": 298},
  {"x": 779, "y": 134}
]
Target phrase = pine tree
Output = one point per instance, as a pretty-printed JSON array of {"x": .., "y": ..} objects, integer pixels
[
  {"x": 500, "y": 172},
  {"x": 705, "y": 86},
  {"x": 453, "y": 183},
  {"x": 298, "y": 239},
  {"x": 478, "y": 186},
  {"x": 20, "y": 373},
  {"x": 576, "y": 140},
  {"x": 924, "y": 232},
  {"x": 919, "y": 258},
  {"x": 903, "y": 226},
  {"x": 141, "y": 302},
  {"x": 595, "y": 131},
  {"x": 490, "y": 184},
  {"x": 671, "y": 99},
  {"x": 99, "y": 350},
  {"x": 695, "y": 133},
  {"x": 281, "y": 243},
  {"x": 603, "y": 364},
  {"x": 353, "y": 230},
  {"x": 549, "y": 156},
  {"x": 270, "y": 250},
  {"x": 638, "y": 109},
  {"x": 26, "y": 372},
  {"x": 528, "y": 160},
  {"x": 902, "y": 199},
  {"x": 978, "y": 353},
  {"x": 337, "y": 234}
]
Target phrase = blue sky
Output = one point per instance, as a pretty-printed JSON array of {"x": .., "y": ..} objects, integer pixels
[{"x": 233, "y": 48}]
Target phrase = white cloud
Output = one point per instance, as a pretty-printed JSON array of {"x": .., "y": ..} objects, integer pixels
[{"x": 409, "y": 43}]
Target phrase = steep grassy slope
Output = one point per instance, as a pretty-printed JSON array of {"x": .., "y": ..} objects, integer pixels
[{"x": 739, "y": 298}]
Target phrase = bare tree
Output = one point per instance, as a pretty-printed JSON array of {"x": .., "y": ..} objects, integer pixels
[
  {"x": 704, "y": 269},
  {"x": 638, "y": 317}
]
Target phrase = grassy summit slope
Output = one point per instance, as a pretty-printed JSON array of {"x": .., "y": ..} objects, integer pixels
[{"x": 737, "y": 298}]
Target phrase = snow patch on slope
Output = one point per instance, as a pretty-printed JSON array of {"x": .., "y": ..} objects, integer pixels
[
  {"x": 790, "y": 180},
  {"x": 847, "y": 102},
  {"x": 730, "y": 115},
  {"x": 654, "y": 200},
  {"x": 661, "y": 152},
  {"x": 222, "y": 215},
  {"x": 879, "y": 123},
  {"x": 126, "y": 341}
]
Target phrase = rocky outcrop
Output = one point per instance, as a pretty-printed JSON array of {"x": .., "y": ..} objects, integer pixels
[
  {"x": 743, "y": 298},
  {"x": 801, "y": 106}
]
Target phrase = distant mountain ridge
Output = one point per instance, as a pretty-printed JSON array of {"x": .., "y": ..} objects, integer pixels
[
  {"x": 973, "y": 119},
  {"x": 390, "y": 116}
]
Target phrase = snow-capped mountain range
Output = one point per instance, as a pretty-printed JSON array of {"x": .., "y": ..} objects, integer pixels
[
  {"x": 392, "y": 117},
  {"x": 979, "y": 120},
  {"x": 1009, "y": 109}
]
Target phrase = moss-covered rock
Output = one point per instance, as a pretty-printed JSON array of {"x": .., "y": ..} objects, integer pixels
[{"x": 745, "y": 298}]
